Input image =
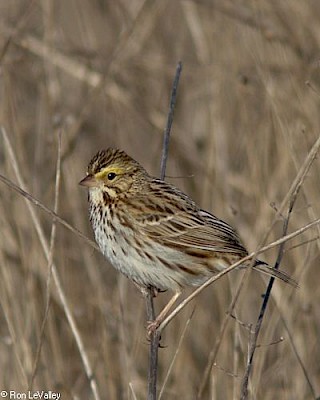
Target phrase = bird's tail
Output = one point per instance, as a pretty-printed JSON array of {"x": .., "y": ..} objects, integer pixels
[{"x": 263, "y": 267}]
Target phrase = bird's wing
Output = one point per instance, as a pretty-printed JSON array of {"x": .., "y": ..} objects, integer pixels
[{"x": 197, "y": 229}]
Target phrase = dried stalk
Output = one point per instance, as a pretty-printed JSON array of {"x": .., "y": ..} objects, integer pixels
[{"x": 156, "y": 336}]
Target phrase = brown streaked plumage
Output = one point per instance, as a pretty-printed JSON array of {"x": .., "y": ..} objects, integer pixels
[{"x": 154, "y": 233}]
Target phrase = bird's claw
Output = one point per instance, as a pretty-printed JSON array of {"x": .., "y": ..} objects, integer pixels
[{"x": 151, "y": 328}]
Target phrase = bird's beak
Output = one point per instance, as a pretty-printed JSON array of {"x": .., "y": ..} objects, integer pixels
[{"x": 89, "y": 181}]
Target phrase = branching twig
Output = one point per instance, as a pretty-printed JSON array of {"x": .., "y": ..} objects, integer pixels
[
  {"x": 155, "y": 337},
  {"x": 214, "y": 351},
  {"x": 296, "y": 184},
  {"x": 298, "y": 181},
  {"x": 254, "y": 337}
]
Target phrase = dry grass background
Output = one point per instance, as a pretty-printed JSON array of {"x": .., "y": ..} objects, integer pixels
[{"x": 100, "y": 72}]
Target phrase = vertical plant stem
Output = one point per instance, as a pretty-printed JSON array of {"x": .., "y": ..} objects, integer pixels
[
  {"x": 156, "y": 336},
  {"x": 167, "y": 131},
  {"x": 266, "y": 298}
]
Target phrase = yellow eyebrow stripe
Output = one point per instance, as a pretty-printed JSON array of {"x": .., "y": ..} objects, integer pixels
[{"x": 102, "y": 174}]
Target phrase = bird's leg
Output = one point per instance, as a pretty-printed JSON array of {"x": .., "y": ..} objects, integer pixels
[
  {"x": 145, "y": 290},
  {"x": 148, "y": 293},
  {"x": 142, "y": 289},
  {"x": 153, "y": 325}
]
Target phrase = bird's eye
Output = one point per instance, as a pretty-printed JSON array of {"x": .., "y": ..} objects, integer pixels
[{"x": 111, "y": 176}]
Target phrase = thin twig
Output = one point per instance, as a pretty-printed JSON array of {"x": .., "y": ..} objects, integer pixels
[
  {"x": 167, "y": 131},
  {"x": 156, "y": 336},
  {"x": 302, "y": 366},
  {"x": 254, "y": 337},
  {"x": 229, "y": 373},
  {"x": 295, "y": 350},
  {"x": 300, "y": 177},
  {"x": 214, "y": 351},
  {"x": 304, "y": 243},
  {"x": 50, "y": 262},
  {"x": 153, "y": 364},
  {"x": 45, "y": 246},
  {"x": 175, "y": 355},
  {"x": 214, "y": 278},
  {"x": 52, "y": 214},
  {"x": 154, "y": 346},
  {"x": 280, "y": 340},
  {"x": 134, "y": 396}
]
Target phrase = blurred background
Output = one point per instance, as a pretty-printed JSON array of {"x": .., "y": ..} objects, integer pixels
[{"x": 100, "y": 72}]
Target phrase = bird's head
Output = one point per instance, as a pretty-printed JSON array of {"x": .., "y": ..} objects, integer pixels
[{"x": 114, "y": 172}]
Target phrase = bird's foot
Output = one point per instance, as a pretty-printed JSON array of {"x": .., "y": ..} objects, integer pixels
[{"x": 152, "y": 326}]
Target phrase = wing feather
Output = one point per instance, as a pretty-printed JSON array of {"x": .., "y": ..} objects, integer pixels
[
  {"x": 199, "y": 229},
  {"x": 170, "y": 217}
]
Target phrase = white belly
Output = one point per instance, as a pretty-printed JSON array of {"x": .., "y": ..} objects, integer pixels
[
  {"x": 158, "y": 266},
  {"x": 128, "y": 256}
]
